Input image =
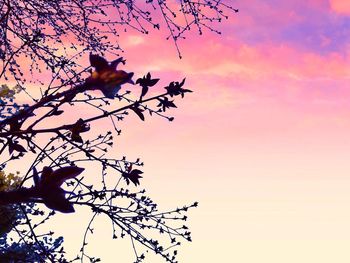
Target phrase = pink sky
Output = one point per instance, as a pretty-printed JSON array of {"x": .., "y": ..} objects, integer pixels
[{"x": 263, "y": 142}]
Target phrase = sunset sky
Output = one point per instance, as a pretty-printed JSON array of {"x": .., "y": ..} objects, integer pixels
[{"x": 263, "y": 143}]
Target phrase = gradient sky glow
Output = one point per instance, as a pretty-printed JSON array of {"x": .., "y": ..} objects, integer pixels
[{"x": 263, "y": 143}]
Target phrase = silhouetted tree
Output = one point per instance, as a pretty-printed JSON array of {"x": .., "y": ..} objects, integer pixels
[{"x": 33, "y": 43}]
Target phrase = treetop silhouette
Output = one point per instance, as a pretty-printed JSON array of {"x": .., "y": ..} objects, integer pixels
[{"x": 55, "y": 148}]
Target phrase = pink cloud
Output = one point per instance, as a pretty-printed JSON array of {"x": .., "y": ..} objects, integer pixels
[
  {"x": 231, "y": 56},
  {"x": 340, "y": 6}
]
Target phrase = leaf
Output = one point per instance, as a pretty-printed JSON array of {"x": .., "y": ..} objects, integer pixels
[
  {"x": 80, "y": 126},
  {"x": 152, "y": 82},
  {"x": 175, "y": 88},
  {"x": 116, "y": 62},
  {"x": 110, "y": 92},
  {"x": 106, "y": 77},
  {"x": 32, "y": 149},
  {"x": 98, "y": 62},
  {"x": 145, "y": 82},
  {"x": 49, "y": 188},
  {"x": 144, "y": 91},
  {"x": 182, "y": 82},
  {"x": 60, "y": 175},
  {"x": 133, "y": 176},
  {"x": 166, "y": 104},
  {"x": 11, "y": 149},
  {"x": 46, "y": 173},
  {"x": 139, "y": 81},
  {"x": 138, "y": 112},
  {"x": 55, "y": 199},
  {"x": 76, "y": 138},
  {"x": 14, "y": 146}
]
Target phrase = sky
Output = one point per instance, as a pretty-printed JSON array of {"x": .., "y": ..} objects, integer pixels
[{"x": 263, "y": 142}]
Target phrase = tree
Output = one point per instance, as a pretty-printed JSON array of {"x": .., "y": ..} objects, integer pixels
[{"x": 36, "y": 31}]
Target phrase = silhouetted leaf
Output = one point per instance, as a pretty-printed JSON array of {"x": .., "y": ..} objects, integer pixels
[
  {"x": 144, "y": 91},
  {"x": 57, "y": 177},
  {"x": 175, "y": 88},
  {"x": 55, "y": 199},
  {"x": 116, "y": 62},
  {"x": 98, "y": 62},
  {"x": 133, "y": 176},
  {"x": 79, "y": 127},
  {"x": 166, "y": 103},
  {"x": 76, "y": 138},
  {"x": 48, "y": 187},
  {"x": 106, "y": 78},
  {"x": 139, "y": 113},
  {"x": 145, "y": 82},
  {"x": 14, "y": 146}
]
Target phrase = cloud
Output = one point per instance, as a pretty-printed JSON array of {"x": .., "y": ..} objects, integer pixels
[
  {"x": 134, "y": 40},
  {"x": 340, "y": 6}
]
